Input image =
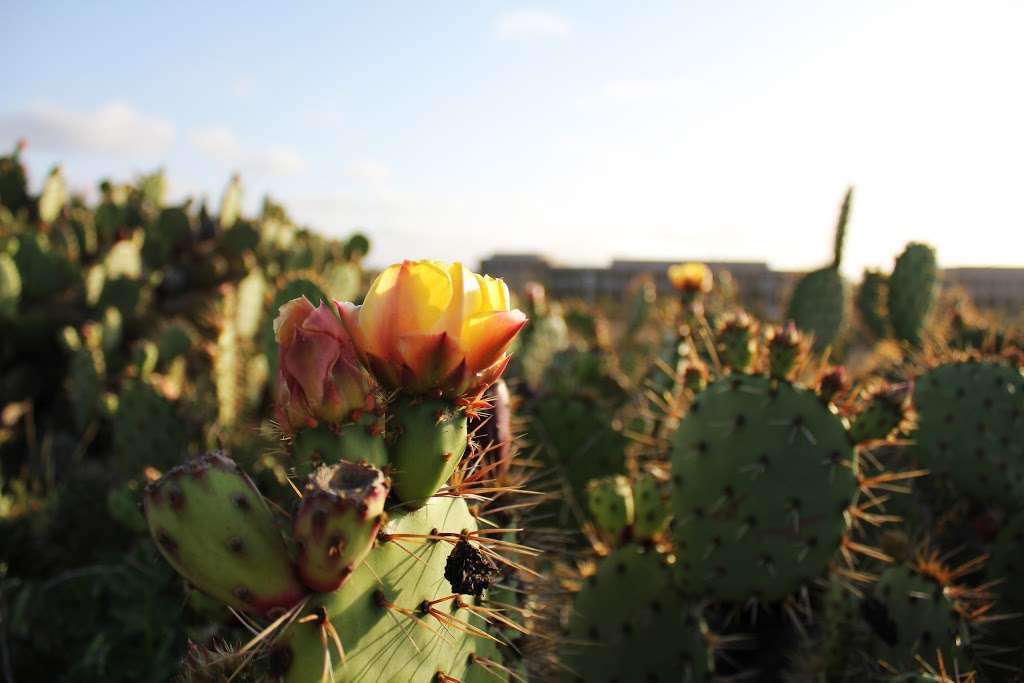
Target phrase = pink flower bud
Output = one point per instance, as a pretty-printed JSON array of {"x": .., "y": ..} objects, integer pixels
[{"x": 319, "y": 377}]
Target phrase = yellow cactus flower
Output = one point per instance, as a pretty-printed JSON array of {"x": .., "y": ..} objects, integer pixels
[
  {"x": 428, "y": 327},
  {"x": 690, "y": 277}
]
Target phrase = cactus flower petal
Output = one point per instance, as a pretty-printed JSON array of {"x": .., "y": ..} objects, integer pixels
[{"x": 428, "y": 327}]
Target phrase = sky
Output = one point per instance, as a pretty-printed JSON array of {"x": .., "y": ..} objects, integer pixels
[{"x": 583, "y": 130}]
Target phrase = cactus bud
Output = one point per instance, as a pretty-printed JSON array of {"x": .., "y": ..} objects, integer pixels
[
  {"x": 337, "y": 522},
  {"x": 695, "y": 377},
  {"x": 833, "y": 382},
  {"x": 784, "y": 346},
  {"x": 882, "y": 414},
  {"x": 736, "y": 342},
  {"x": 319, "y": 376}
]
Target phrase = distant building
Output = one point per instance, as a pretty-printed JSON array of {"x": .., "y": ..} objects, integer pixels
[
  {"x": 1000, "y": 288},
  {"x": 760, "y": 287}
]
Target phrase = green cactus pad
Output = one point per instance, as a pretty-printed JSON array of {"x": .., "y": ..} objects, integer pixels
[
  {"x": 336, "y": 524},
  {"x": 912, "y": 289},
  {"x": 213, "y": 526},
  {"x": 910, "y": 617},
  {"x": 882, "y": 414},
  {"x": 872, "y": 305},
  {"x": 652, "y": 505},
  {"x": 146, "y": 429},
  {"x": 359, "y": 441},
  {"x": 579, "y": 440},
  {"x": 630, "y": 624},
  {"x": 610, "y": 501},
  {"x": 378, "y": 639},
  {"x": 54, "y": 196},
  {"x": 1007, "y": 563},
  {"x": 818, "y": 305},
  {"x": 427, "y": 439},
  {"x": 736, "y": 343},
  {"x": 762, "y": 475},
  {"x": 970, "y": 418},
  {"x": 13, "y": 183},
  {"x": 10, "y": 286}
]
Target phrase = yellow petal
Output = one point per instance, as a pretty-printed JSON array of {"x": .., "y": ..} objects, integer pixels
[
  {"x": 407, "y": 298},
  {"x": 486, "y": 336}
]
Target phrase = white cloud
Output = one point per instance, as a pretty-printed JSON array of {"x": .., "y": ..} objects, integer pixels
[
  {"x": 221, "y": 144},
  {"x": 531, "y": 24},
  {"x": 114, "y": 129},
  {"x": 369, "y": 171}
]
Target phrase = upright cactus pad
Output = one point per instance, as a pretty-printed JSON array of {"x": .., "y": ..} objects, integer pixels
[
  {"x": 382, "y": 613},
  {"x": 970, "y": 418},
  {"x": 10, "y": 286},
  {"x": 818, "y": 302},
  {"x": 215, "y": 529},
  {"x": 54, "y": 196},
  {"x": 611, "y": 503},
  {"x": 817, "y": 306},
  {"x": 872, "y": 303},
  {"x": 629, "y": 624},
  {"x": 912, "y": 289},
  {"x": 428, "y": 438},
  {"x": 762, "y": 476},
  {"x": 336, "y": 525}
]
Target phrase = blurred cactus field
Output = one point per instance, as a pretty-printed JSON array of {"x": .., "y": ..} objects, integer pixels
[{"x": 231, "y": 451}]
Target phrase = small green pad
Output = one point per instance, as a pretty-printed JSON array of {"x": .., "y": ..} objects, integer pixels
[
  {"x": 427, "y": 441},
  {"x": 213, "y": 526},
  {"x": 651, "y": 502},
  {"x": 610, "y": 501}
]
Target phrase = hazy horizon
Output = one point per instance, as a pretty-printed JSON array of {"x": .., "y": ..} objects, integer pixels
[{"x": 585, "y": 132}]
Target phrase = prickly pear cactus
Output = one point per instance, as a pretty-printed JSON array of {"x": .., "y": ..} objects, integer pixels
[
  {"x": 146, "y": 429},
  {"x": 10, "y": 286},
  {"x": 912, "y": 289},
  {"x": 880, "y": 415},
  {"x": 382, "y": 614},
  {"x": 337, "y": 522},
  {"x": 1007, "y": 564},
  {"x": 652, "y": 507},
  {"x": 818, "y": 303},
  {"x": 763, "y": 474},
  {"x": 54, "y": 196},
  {"x": 428, "y": 440},
  {"x": 910, "y": 617},
  {"x": 970, "y": 417},
  {"x": 629, "y": 623},
  {"x": 872, "y": 303},
  {"x": 611, "y": 504},
  {"x": 579, "y": 440},
  {"x": 213, "y": 526}
]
